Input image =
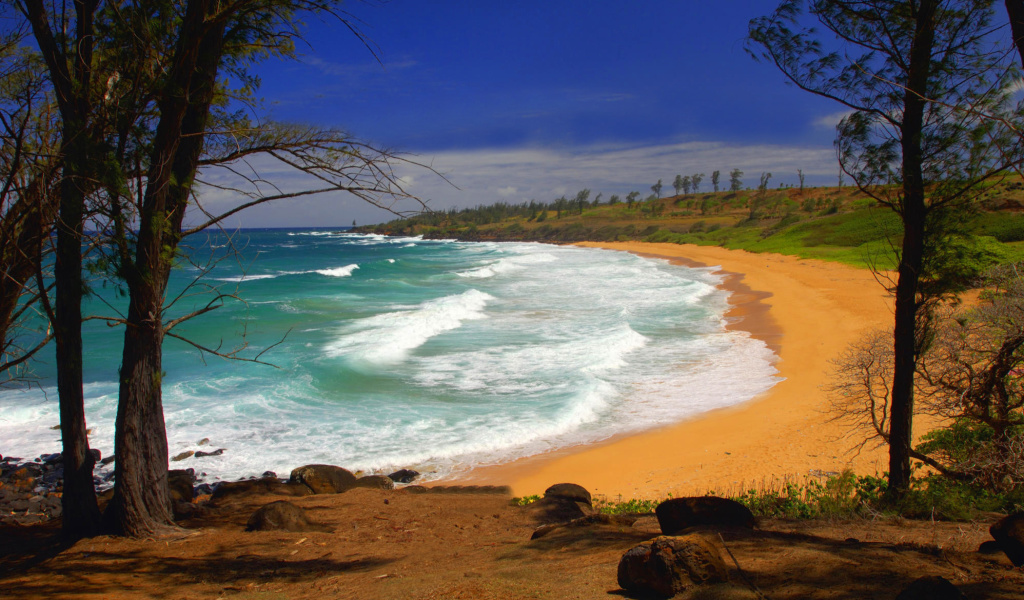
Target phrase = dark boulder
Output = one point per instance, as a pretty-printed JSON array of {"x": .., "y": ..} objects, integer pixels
[
  {"x": 556, "y": 509},
  {"x": 217, "y": 452},
  {"x": 323, "y": 479},
  {"x": 666, "y": 566},
  {"x": 281, "y": 516},
  {"x": 404, "y": 476},
  {"x": 377, "y": 482},
  {"x": 932, "y": 587},
  {"x": 182, "y": 456},
  {"x": 1008, "y": 532},
  {"x": 569, "y": 491},
  {"x": 678, "y": 514},
  {"x": 179, "y": 483}
]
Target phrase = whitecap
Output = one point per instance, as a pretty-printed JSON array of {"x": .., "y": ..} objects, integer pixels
[
  {"x": 389, "y": 338},
  {"x": 339, "y": 271}
]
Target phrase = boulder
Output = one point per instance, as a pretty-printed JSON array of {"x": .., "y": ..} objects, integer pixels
[
  {"x": 323, "y": 479},
  {"x": 182, "y": 456},
  {"x": 404, "y": 476},
  {"x": 217, "y": 452},
  {"x": 179, "y": 483},
  {"x": 1008, "y": 533},
  {"x": 931, "y": 587},
  {"x": 570, "y": 491},
  {"x": 556, "y": 509},
  {"x": 377, "y": 482},
  {"x": 666, "y": 566},
  {"x": 281, "y": 516},
  {"x": 678, "y": 514}
]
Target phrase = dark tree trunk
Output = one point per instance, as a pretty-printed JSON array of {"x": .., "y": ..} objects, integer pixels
[
  {"x": 914, "y": 212},
  {"x": 1015, "y": 10},
  {"x": 25, "y": 225},
  {"x": 71, "y": 82},
  {"x": 81, "y": 515},
  {"x": 141, "y": 503}
]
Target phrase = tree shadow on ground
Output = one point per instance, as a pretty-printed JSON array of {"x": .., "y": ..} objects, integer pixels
[{"x": 105, "y": 572}]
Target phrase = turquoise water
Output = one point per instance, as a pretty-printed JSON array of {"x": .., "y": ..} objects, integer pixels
[{"x": 403, "y": 352}]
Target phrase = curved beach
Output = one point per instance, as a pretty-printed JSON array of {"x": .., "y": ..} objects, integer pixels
[{"x": 807, "y": 311}]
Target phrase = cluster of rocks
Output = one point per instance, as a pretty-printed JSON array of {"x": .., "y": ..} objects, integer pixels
[
  {"x": 30, "y": 490},
  {"x": 689, "y": 555},
  {"x": 307, "y": 480}
]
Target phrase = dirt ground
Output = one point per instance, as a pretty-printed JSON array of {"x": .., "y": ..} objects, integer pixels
[{"x": 450, "y": 545}]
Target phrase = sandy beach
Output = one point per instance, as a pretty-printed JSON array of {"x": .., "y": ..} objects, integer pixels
[{"x": 807, "y": 311}]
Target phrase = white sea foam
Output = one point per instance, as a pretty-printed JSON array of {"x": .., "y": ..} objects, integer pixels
[
  {"x": 389, "y": 337},
  {"x": 552, "y": 346},
  {"x": 339, "y": 271},
  {"x": 241, "y": 278}
]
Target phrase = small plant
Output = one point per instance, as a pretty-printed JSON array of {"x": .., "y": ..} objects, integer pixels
[
  {"x": 525, "y": 500},
  {"x": 631, "y": 506}
]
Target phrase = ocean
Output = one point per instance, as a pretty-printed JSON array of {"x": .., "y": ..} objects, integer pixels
[{"x": 398, "y": 352}]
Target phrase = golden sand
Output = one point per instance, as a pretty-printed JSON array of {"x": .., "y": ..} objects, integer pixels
[{"x": 807, "y": 311}]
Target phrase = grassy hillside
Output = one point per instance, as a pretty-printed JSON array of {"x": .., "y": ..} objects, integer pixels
[{"x": 828, "y": 223}]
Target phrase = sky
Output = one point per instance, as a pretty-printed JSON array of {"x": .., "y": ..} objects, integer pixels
[{"x": 530, "y": 100}]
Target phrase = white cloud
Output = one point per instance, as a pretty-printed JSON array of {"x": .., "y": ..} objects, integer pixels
[
  {"x": 830, "y": 121},
  {"x": 521, "y": 174}
]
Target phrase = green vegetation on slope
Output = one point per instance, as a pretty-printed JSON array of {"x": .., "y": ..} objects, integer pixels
[{"x": 826, "y": 223}]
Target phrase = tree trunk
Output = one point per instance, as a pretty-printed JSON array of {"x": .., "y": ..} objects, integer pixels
[
  {"x": 1015, "y": 10},
  {"x": 71, "y": 82},
  {"x": 81, "y": 514},
  {"x": 911, "y": 257},
  {"x": 141, "y": 504}
]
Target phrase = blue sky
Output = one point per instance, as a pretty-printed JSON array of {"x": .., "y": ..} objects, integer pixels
[{"x": 524, "y": 100}]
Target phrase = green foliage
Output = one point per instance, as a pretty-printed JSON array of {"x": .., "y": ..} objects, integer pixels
[
  {"x": 631, "y": 506},
  {"x": 843, "y": 495},
  {"x": 1003, "y": 226},
  {"x": 525, "y": 500},
  {"x": 943, "y": 498}
]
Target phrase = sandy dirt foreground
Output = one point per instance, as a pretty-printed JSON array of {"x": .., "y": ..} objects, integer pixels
[{"x": 808, "y": 311}]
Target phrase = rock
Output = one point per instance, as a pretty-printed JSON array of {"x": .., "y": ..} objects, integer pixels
[
  {"x": 203, "y": 442},
  {"x": 379, "y": 482},
  {"x": 108, "y": 460},
  {"x": 281, "y": 516},
  {"x": 1008, "y": 532},
  {"x": 323, "y": 479},
  {"x": 666, "y": 566},
  {"x": 678, "y": 514},
  {"x": 404, "y": 476},
  {"x": 267, "y": 474},
  {"x": 416, "y": 489},
  {"x": 587, "y": 521},
  {"x": 270, "y": 485},
  {"x": 570, "y": 491},
  {"x": 51, "y": 459},
  {"x": 97, "y": 456},
  {"x": 556, "y": 509},
  {"x": 931, "y": 587},
  {"x": 179, "y": 483},
  {"x": 217, "y": 452},
  {"x": 182, "y": 456}
]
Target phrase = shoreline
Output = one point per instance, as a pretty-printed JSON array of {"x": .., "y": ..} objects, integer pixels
[{"x": 807, "y": 312}]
